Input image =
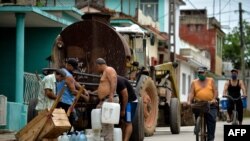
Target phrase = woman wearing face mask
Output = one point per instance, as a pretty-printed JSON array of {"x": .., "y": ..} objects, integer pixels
[
  {"x": 233, "y": 87},
  {"x": 203, "y": 89}
]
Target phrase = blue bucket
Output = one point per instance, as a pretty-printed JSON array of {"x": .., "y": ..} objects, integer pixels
[
  {"x": 224, "y": 103},
  {"x": 244, "y": 102}
]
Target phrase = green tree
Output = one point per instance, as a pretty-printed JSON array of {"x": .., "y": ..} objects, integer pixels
[{"x": 231, "y": 48}]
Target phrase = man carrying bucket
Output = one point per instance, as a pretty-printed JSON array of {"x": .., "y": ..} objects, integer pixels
[
  {"x": 233, "y": 88},
  {"x": 106, "y": 92}
]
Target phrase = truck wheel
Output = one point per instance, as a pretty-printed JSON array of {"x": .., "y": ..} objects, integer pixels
[
  {"x": 175, "y": 116},
  {"x": 138, "y": 122},
  {"x": 148, "y": 92},
  {"x": 31, "y": 109}
]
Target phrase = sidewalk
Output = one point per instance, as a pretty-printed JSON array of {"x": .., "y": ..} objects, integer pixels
[{"x": 7, "y": 135}]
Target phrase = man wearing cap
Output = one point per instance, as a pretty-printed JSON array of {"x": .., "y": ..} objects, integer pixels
[
  {"x": 233, "y": 87},
  {"x": 72, "y": 88},
  {"x": 106, "y": 92},
  {"x": 203, "y": 89},
  {"x": 47, "y": 92}
]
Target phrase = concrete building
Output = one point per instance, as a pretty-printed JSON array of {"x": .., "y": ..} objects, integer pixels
[
  {"x": 205, "y": 33},
  {"x": 27, "y": 33}
]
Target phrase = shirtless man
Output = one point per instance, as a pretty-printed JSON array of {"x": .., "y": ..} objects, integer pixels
[
  {"x": 108, "y": 81},
  {"x": 106, "y": 92}
]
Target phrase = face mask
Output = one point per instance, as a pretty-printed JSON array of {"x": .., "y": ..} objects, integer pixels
[
  {"x": 234, "y": 76},
  {"x": 201, "y": 77}
]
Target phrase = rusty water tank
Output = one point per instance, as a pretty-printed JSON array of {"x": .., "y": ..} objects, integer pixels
[{"x": 90, "y": 39}]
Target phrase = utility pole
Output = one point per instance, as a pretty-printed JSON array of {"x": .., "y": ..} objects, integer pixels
[
  {"x": 171, "y": 29},
  {"x": 242, "y": 44}
]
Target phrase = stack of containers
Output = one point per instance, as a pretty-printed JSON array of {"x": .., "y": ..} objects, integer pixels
[{"x": 109, "y": 114}]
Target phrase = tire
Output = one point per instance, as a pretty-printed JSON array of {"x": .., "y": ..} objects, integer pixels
[
  {"x": 197, "y": 128},
  {"x": 235, "y": 120},
  {"x": 148, "y": 92},
  {"x": 175, "y": 116},
  {"x": 138, "y": 123},
  {"x": 31, "y": 109}
]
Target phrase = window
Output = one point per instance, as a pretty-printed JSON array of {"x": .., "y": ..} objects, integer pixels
[
  {"x": 183, "y": 84},
  {"x": 150, "y": 8},
  {"x": 219, "y": 46}
]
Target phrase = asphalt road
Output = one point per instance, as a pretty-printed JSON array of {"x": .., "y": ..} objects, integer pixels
[
  {"x": 163, "y": 133},
  {"x": 186, "y": 133}
]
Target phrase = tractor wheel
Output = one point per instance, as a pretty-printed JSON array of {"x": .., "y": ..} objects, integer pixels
[
  {"x": 148, "y": 92},
  {"x": 175, "y": 116},
  {"x": 31, "y": 109},
  {"x": 138, "y": 122}
]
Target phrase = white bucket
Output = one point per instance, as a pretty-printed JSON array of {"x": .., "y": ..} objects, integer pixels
[
  {"x": 96, "y": 119},
  {"x": 96, "y": 134},
  {"x": 117, "y": 134},
  {"x": 89, "y": 135},
  {"x": 110, "y": 113}
]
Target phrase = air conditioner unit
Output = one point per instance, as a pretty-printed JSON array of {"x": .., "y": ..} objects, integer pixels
[
  {"x": 26, "y": 2},
  {"x": 3, "y": 110}
]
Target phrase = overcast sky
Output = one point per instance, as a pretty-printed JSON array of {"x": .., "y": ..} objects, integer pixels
[{"x": 225, "y": 11}]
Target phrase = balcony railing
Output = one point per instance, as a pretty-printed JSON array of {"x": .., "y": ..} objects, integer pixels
[{"x": 197, "y": 57}]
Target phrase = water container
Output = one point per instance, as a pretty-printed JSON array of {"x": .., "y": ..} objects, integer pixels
[
  {"x": 224, "y": 103},
  {"x": 73, "y": 137},
  {"x": 244, "y": 102},
  {"x": 97, "y": 134},
  {"x": 81, "y": 136},
  {"x": 110, "y": 113},
  {"x": 96, "y": 119},
  {"x": 117, "y": 134},
  {"x": 64, "y": 137},
  {"x": 89, "y": 135}
]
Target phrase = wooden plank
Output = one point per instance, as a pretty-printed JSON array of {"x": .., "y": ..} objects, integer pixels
[
  {"x": 78, "y": 95},
  {"x": 35, "y": 126}
]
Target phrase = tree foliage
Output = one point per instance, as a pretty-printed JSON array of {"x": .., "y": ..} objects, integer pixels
[{"x": 231, "y": 48}]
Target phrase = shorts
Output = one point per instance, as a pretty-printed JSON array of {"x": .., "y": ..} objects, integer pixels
[{"x": 130, "y": 111}]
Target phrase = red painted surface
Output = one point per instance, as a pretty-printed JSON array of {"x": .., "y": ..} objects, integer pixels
[{"x": 200, "y": 37}]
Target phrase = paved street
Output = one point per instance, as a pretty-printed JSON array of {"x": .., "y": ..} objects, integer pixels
[
  {"x": 186, "y": 134},
  {"x": 163, "y": 133}
]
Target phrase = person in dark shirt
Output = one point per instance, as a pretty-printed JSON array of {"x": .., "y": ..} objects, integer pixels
[
  {"x": 128, "y": 101},
  {"x": 233, "y": 88}
]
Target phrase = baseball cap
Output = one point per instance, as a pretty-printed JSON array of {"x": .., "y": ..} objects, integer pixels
[
  {"x": 61, "y": 72},
  {"x": 202, "y": 69},
  {"x": 234, "y": 70},
  {"x": 73, "y": 62},
  {"x": 47, "y": 71}
]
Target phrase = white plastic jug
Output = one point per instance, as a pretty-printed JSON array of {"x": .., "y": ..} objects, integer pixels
[
  {"x": 96, "y": 119},
  {"x": 110, "y": 113},
  {"x": 96, "y": 134},
  {"x": 89, "y": 135},
  {"x": 64, "y": 137},
  {"x": 117, "y": 134}
]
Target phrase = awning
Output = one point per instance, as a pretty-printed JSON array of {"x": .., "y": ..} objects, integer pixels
[
  {"x": 128, "y": 26},
  {"x": 36, "y": 17}
]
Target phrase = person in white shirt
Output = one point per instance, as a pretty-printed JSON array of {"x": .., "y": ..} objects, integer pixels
[{"x": 47, "y": 92}]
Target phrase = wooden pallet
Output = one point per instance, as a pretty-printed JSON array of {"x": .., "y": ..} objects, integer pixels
[{"x": 31, "y": 131}]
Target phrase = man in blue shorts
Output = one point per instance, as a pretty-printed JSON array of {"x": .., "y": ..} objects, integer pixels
[{"x": 128, "y": 101}]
